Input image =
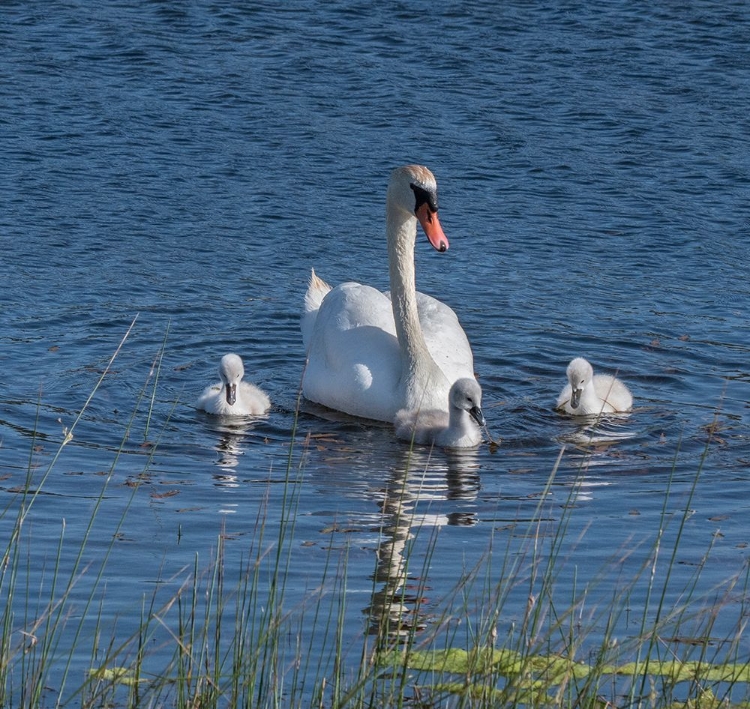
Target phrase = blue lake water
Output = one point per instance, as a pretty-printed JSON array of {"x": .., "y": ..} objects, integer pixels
[{"x": 185, "y": 166}]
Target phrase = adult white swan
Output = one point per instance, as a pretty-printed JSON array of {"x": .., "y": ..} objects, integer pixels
[
  {"x": 371, "y": 354},
  {"x": 588, "y": 394}
]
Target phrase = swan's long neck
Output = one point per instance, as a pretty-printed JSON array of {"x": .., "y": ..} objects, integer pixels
[{"x": 418, "y": 370}]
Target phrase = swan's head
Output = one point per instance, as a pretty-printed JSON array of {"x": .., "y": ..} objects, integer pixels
[
  {"x": 413, "y": 189},
  {"x": 466, "y": 395},
  {"x": 231, "y": 371},
  {"x": 580, "y": 373}
]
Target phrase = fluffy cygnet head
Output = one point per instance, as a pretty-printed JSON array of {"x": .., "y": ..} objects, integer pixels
[
  {"x": 580, "y": 373},
  {"x": 231, "y": 371},
  {"x": 466, "y": 395}
]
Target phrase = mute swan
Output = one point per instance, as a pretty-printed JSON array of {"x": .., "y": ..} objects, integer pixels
[
  {"x": 231, "y": 396},
  {"x": 371, "y": 354},
  {"x": 587, "y": 393},
  {"x": 459, "y": 428}
]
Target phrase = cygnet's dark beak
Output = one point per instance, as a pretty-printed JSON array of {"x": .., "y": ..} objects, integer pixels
[
  {"x": 575, "y": 398},
  {"x": 231, "y": 394},
  {"x": 476, "y": 413}
]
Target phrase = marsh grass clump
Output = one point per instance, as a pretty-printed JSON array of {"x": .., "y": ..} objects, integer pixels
[
  {"x": 568, "y": 652},
  {"x": 222, "y": 634}
]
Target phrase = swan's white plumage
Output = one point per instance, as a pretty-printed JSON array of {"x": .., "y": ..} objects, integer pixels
[
  {"x": 317, "y": 290},
  {"x": 232, "y": 396},
  {"x": 370, "y": 353},
  {"x": 588, "y": 394},
  {"x": 458, "y": 428}
]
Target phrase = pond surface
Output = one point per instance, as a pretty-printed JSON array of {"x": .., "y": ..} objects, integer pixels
[{"x": 181, "y": 169}]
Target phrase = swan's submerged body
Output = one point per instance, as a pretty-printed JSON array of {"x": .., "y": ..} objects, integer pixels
[
  {"x": 232, "y": 396},
  {"x": 588, "y": 394},
  {"x": 458, "y": 428},
  {"x": 370, "y": 353}
]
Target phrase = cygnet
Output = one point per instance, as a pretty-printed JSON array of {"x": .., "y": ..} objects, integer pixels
[
  {"x": 588, "y": 394},
  {"x": 231, "y": 396},
  {"x": 457, "y": 428}
]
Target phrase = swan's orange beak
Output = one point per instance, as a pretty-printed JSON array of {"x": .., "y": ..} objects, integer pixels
[{"x": 431, "y": 225}]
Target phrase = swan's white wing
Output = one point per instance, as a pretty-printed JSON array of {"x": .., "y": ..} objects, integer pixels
[
  {"x": 613, "y": 392},
  {"x": 354, "y": 362},
  {"x": 252, "y": 399},
  {"x": 210, "y": 397},
  {"x": 445, "y": 338}
]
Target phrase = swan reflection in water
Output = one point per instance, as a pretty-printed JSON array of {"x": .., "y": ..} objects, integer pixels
[
  {"x": 591, "y": 448},
  {"x": 423, "y": 476},
  {"x": 233, "y": 434},
  {"x": 593, "y": 435}
]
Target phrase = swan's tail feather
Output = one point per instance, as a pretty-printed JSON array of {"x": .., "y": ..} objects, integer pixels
[{"x": 316, "y": 291}]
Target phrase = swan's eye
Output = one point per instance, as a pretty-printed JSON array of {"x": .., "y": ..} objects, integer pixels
[{"x": 423, "y": 196}]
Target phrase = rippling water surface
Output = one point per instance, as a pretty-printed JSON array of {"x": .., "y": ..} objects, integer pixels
[{"x": 184, "y": 166}]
